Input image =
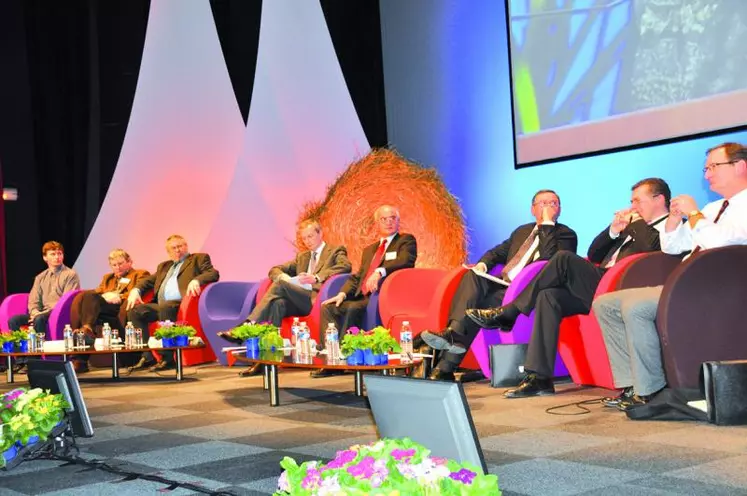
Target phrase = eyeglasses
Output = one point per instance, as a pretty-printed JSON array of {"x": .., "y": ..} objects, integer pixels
[
  {"x": 552, "y": 203},
  {"x": 711, "y": 167},
  {"x": 387, "y": 219}
]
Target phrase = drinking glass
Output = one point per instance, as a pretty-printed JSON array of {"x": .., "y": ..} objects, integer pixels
[{"x": 40, "y": 341}]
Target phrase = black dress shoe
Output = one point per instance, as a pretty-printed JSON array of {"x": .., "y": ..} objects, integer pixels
[
  {"x": 80, "y": 366},
  {"x": 634, "y": 401},
  {"x": 162, "y": 365},
  {"x": 252, "y": 371},
  {"x": 443, "y": 340},
  {"x": 502, "y": 318},
  {"x": 439, "y": 375},
  {"x": 613, "y": 401},
  {"x": 142, "y": 364},
  {"x": 532, "y": 385},
  {"x": 318, "y": 374},
  {"x": 228, "y": 337}
]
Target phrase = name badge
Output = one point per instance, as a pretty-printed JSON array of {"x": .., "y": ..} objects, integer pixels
[
  {"x": 124, "y": 280},
  {"x": 390, "y": 255}
]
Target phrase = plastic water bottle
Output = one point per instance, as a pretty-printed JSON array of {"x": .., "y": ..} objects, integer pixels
[
  {"x": 304, "y": 336},
  {"x": 32, "y": 339},
  {"x": 67, "y": 336},
  {"x": 405, "y": 342},
  {"x": 295, "y": 328},
  {"x": 106, "y": 333},
  {"x": 332, "y": 342},
  {"x": 129, "y": 335},
  {"x": 115, "y": 338}
]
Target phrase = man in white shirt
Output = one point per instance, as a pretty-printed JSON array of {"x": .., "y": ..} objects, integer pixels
[
  {"x": 537, "y": 240},
  {"x": 628, "y": 317}
]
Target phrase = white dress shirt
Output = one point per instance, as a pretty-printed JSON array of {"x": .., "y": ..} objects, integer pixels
[
  {"x": 659, "y": 224},
  {"x": 382, "y": 270},
  {"x": 730, "y": 230},
  {"x": 314, "y": 258},
  {"x": 531, "y": 255}
]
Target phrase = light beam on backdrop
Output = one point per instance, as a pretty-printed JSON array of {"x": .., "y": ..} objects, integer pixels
[
  {"x": 302, "y": 131},
  {"x": 183, "y": 139}
]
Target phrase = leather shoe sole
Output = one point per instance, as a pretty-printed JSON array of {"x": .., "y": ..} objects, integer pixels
[
  {"x": 252, "y": 371},
  {"x": 161, "y": 366},
  {"x": 490, "y": 318},
  {"x": 511, "y": 393},
  {"x": 318, "y": 374},
  {"x": 438, "y": 342},
  {"x": 227, "y": 336}
]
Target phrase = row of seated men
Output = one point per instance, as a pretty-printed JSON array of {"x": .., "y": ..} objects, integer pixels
[{"x": 564, "y": 287}]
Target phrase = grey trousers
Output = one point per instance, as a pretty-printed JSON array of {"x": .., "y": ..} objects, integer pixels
[
  {"x": 628, "y": 322},
  {"x": 282, "y": 299}
]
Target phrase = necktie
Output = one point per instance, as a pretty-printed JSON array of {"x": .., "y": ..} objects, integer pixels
[
  {"x": 611, "y": 257},
  {"x": 517, "y": 258},
  {"x": 312, "y": 262},
  {"x": 375, "y": 262},
  {"x": 715, "y": 221},
  {"x": 162, "y": 289}
]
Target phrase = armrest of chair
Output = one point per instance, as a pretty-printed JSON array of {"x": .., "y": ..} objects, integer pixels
[
  {"x": 264, "y": 285},
  {"x": 700, "y": 314},
  {"x": 329, "y": 288},
  {"x": 641, "y": 270},
  {"x": 13, "y": 304},
  {"x": 227, "y": 300},
  {"x": 522, "y": 279},
  {"x": 407, "y": 291},
  {"x": 60, "y": 315}
]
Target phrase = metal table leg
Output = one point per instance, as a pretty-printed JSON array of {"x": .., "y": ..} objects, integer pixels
[
  {"x": 9, "y": 363},
  {"x": 179, "y": 371},
  {"x": 266, "y": 376},
  {"x": 273, "y": 379},
  {"x": 115, "y": 366},
  {"x": 358, "y": 383}
]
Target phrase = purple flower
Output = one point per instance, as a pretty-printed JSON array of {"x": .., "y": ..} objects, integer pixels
[
  {"x": 364, "y": 469},
  {"x": 400, "y": 454},
  {"x": 342, "y": 458},
  {"x": 283, "y": 484},
  {"x": 439, "y": 461},
  {"x": 464, "y": 476},
  {"x": 312, "y": 480},
  {"x": 353, "y": 330}
]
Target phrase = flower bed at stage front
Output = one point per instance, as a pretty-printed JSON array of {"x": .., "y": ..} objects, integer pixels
[{"x": 390, "y": 467}]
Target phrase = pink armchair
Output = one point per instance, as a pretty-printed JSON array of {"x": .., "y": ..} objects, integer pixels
[{"x": 18, "y": 303}]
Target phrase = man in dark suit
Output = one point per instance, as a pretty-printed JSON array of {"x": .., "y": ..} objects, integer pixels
[
  {"x": 566, "y": 285},
  {"x": 296, "y": 283},
  {"x": 537, "y": 240},
  {"x": 392, "y": 252},
  {"x": 106, "y": 303},
  {"x": 181, "y": 275}
]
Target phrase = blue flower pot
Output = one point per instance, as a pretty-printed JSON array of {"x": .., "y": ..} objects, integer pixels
[
  {"x": 181, "y": 341},
  {"x": 8, "y": 347},
  {"x": 23, "y": 346},
  {"x": 32, "y": 440},
  {"x": 356, "y": 358},
  {"x": 368, "y": 357},
  {"x": 252, "y": 353},
  {"x": 167, "y": 342},
  {"x": 252, "y": 345},
  {"x": 10, "y": 453},
  {"x": 383, "y": 359}
]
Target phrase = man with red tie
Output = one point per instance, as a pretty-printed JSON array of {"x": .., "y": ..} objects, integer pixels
[
  {"x": 391, "y": 252},
  {"x": 628, "y": 317}
]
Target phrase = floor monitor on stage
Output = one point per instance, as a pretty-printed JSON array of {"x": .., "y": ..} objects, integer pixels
[
  {"x": 432, "y": 413},
  {"x": 59, "y": 377}
]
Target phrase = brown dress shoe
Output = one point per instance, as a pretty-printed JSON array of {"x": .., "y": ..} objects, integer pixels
[
  {"x": 80, "y": 366},
  {"x": 252, "y": 371}
]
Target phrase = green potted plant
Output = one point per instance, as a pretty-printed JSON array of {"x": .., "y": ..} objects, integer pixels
[
  {"x": 21, "y": 340},
  {"x": 384, "y": 468},
  {"x": 368, "y": 348},
  {"x": 257, "y": 336},
  {"x": 382, "y": 343},
  {"x": 6, "y": 340},
  {"x": 353, "y": 345},
  {"x": 174, "y": 333}
]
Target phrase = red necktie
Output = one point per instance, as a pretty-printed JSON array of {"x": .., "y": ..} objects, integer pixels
[
  {"x": 375, "y": 262},
  {"x": 715, "y": 221}
]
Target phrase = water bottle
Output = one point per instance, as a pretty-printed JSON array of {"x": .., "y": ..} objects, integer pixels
[
  {"x": 304, "y": 336},
  {"x": 405, "y": 342},
  {"x": 115, "y": 338},
  {"x": 129, "y": 335},
  {"x": 138, "y": 338},
  {"x": 67, "y": 336},
  {"x": 332, "y": 342},
  {"x": 32, "y": 339},
  {"x": 295, "y": 327},
  {"x": 106, "y": 333}
]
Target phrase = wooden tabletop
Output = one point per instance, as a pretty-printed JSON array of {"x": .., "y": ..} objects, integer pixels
[
  {"x": 280, "y": 359},
  {"x": 94, "y": 351}
]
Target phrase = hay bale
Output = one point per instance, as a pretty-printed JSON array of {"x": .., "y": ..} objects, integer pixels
[{"x": 427, "y": 209}]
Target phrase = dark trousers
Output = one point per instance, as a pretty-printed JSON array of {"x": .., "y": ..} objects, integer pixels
[
  {"x": 90, "y": 309},
  {"x": 473, "y": 292},
  {"x": 349, "y": 314},
  {"x": 282, "y": 299},
  {"x": 22, "y": 319},
  {"x": 564, "y": 287},
  {"x": 142, "y": 315}
]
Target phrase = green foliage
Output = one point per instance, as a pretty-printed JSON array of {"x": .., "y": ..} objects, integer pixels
[
  {"x": 249, "y": 330},
  {"x": 18, "y": 336},
  {"x": 174, "y": 330},
  {"x": 5, "y": 337},
  {"x": 26, "y": 414},
  {"x": 379, "y": 340}
]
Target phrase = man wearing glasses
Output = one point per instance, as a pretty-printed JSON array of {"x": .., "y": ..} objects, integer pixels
[
  {"x": 538, "y": 240},
  {"x": 566, "y": 285},
  {"x": 628, "y": 317}
]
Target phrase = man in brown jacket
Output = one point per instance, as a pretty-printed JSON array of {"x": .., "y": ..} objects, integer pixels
[{"x": 106, "y": 303}]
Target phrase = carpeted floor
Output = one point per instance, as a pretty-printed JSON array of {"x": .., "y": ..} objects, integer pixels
[{"x": 217, "y": 430}]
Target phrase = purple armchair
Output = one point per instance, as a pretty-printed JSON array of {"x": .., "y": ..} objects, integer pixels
[
  {"x": 222, "y": 306},
  {"x": 60, "y": 316},
  {"x": 522, "y": 330}
]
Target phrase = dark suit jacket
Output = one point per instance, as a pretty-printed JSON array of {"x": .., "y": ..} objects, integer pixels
[
  {"x": 196, "y": 266},
  {"x": 645, "y": 239},
  {"x": 406, "y": 248},
  {"x": 110, "y": 282},
  {"x": 333, "y": 260},
  {"x": 551, "y": 240}
]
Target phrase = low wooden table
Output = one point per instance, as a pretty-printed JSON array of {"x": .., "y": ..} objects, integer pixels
[
  {"x": 274, "y": 359},
  {"x": 114, "y": 352}
]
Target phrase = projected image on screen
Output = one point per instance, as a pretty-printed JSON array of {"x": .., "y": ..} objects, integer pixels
[{"x": 592, "y": 75}]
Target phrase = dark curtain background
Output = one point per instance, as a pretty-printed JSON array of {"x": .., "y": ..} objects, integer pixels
[{"x": 69, "y": 77}]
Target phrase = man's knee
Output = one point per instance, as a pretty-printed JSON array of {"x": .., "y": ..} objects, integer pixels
[
  {"x": 16, "y": 321},
  {"x": 605, "y": 303}
]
